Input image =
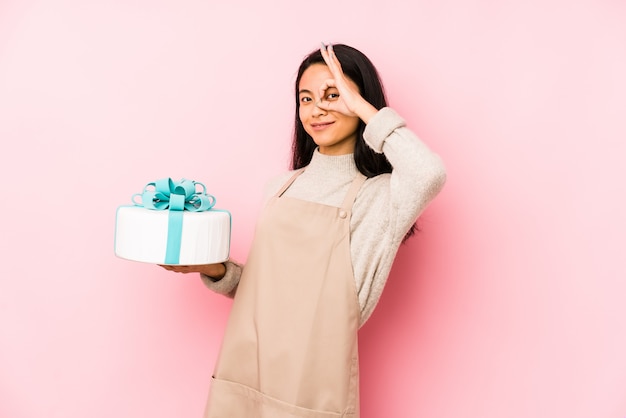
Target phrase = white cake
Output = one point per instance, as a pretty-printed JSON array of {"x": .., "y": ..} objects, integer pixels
[{"x": 142, "y": 234}]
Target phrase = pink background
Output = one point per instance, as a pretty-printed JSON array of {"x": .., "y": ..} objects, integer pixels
[{"x": 509, "y": 303}]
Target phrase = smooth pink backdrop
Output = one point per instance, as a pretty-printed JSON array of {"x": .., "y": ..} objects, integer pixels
[{"x": 510, "y": 301}]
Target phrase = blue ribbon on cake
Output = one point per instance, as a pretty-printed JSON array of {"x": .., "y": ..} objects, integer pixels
[{"x": 176, "y": 197}]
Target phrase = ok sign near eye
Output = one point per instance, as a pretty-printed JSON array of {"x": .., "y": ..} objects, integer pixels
[{"x": 351, "y": 103}]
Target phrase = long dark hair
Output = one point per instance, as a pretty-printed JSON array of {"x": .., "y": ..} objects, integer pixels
[{"x": 358, "y": 68}]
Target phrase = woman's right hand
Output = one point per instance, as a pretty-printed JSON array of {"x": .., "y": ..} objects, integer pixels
[
  {"x": 350, "y": 102},
  {"x": 215, "y": 271}
]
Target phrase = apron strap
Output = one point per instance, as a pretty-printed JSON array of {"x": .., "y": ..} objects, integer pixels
[
  {"x": 348, "y": 201},
  {"x": 289, "y": 182}
]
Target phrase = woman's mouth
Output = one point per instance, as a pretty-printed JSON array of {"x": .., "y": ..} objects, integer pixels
[{"x": 320, "y": 125}]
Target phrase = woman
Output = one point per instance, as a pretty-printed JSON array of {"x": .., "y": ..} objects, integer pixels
[{"x": 323, "y": 247}]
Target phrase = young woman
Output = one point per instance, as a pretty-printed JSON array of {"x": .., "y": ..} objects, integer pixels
[{"x": 323, "y": 247}]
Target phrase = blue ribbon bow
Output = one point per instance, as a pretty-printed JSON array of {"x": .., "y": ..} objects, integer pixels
[{"x": 175, "y": 196}]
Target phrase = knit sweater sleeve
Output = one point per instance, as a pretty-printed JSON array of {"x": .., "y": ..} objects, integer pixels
[
  {"x": 418, "y": 173},
  {"x": 389, "y": 204},
  {"x": 227, "y": 285}
]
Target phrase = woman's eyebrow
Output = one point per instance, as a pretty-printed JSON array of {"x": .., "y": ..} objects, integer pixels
[{"x": 305, "y": 91}]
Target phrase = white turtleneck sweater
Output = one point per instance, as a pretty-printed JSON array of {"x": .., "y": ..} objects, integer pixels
[{"x": 385, "y": 208}]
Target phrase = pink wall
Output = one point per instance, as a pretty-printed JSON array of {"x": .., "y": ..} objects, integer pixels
[{"x": 509, "y": 303}]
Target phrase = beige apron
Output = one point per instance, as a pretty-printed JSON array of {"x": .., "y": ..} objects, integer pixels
[{"x": 290, "y": 348}]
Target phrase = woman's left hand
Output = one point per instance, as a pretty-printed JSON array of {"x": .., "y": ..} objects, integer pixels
[{"x": 350, "y": 101}]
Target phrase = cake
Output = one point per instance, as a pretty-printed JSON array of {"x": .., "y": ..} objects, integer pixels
[{"x": 153, "y": 232}]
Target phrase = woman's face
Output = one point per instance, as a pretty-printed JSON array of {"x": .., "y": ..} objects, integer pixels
[{"x": 334, "y": 132}]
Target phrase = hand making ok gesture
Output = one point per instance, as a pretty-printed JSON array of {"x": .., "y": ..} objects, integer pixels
[{"x": 350, "y": 101}]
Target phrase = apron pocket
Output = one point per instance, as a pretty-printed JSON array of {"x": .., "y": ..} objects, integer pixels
[{"x": 233, "y": 400}]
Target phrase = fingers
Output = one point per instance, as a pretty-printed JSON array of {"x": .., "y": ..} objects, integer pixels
[
  {"x": 213, "y": 270},
  {"x": 335, "y": 69},
  {"x": 346, "y": 93},
  {"x": 324, "y": 52},
  {"x": 177, "y": 269},
  {"x": 328, "y": 54},
  {"x": 325, "y": 86},
  {"x": 323, "y": 105},
  {"x": 331, "y": 60},
  {"x": 336, "y": 65}
]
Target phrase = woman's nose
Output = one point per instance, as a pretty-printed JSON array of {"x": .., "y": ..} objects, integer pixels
[{"x": 317, "y": 110}]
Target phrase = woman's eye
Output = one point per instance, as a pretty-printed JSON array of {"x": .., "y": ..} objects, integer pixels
[
  {"x": 332, "y": 96},
  {"x": 305, "y": 99}
]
